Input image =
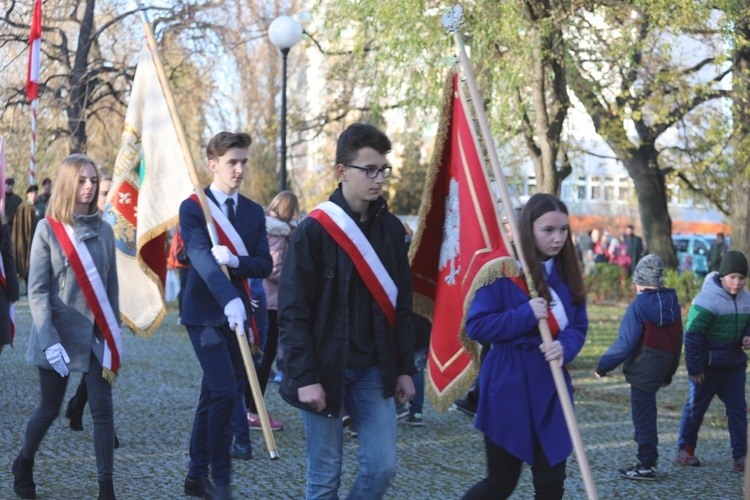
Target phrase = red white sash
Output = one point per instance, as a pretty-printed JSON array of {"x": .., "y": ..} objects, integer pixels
[
  {"x": 345, "y": 231},
  {"x": 230, "y": 238},
  {"x": 90, "y": 283},
  {"x": 557, "y": 317},
  {"x": 12, "y": 309}
]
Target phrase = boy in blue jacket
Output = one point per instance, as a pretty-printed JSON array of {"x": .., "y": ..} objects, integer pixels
[{"x": 649, "y": 343}]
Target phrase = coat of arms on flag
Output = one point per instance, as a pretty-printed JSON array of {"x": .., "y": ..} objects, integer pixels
[
  {"x": 458, "y": 215},
  {"x": 150, "y": 181}
]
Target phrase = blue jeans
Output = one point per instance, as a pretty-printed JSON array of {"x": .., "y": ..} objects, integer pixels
[
  {"x": 373, "y": 418},
  {"x": 729, "y": 385},
  {"x": 211, "y": 439},
  {"x": 643, "y": 408}
]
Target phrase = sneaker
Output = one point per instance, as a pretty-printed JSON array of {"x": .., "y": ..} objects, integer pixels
[
  {"x": 639, "y": 473},
  {"x": 277, "y": 377},
  {"x": 463, "y": 405},
  {"x": 416, "y": 420},
  {"x": 352, "y": 432},
  {"x": 241, "y": 452},
  {"x": 401, "y": 412},
  {"x": 739, "y": 464},
  {"x": 687, "y": 457},
  {"x": 253, "y": 420}
]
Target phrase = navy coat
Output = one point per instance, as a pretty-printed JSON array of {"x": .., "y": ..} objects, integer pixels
[{"x": 208, "y": 289}]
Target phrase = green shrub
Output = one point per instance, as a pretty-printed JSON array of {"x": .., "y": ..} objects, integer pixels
[
  {"x": 686, "y": 284},
  {"x": 608, "y": 283}
]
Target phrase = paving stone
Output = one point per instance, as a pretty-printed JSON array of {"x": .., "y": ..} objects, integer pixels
[{"x": 157, "y": 391}]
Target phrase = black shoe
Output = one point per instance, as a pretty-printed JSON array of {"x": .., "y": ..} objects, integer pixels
[
  {"x": 23, "y": 477},
  {"x": 639, "y": 473},
  {"x": 106, "y": 490},
  {"x": 199, "y": 487},
  {"x": 223, "y": 493},
  {"x": 465, "y": 406},
  {"x": 74, "y": 413}
]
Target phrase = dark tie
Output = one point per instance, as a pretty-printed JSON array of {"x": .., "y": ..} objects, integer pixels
[{"x": 230, "y": 211}]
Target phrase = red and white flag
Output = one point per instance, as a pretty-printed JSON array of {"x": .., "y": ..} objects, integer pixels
[
  {"x": 458, "y": 216},
  {"x": 35, "y": 53},
  {"x": 150, "y": 181}
]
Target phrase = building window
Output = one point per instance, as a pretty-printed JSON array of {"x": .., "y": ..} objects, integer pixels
[
  {"x": 531, "y": 185},
  {"x": 580, "y": 189},
  {"x": 624, "y": 189},
  {"x": 596, "y": 188},
  {"x": 609, "y": 189}
]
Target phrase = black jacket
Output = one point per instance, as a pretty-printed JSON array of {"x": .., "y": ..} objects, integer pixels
[{"x": 314, "y": 311}]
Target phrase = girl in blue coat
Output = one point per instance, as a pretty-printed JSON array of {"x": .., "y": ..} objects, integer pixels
[{"x": 519, "y": 410}]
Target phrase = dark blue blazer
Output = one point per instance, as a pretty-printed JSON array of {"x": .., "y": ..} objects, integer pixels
[{"x": 208, "y": 289}]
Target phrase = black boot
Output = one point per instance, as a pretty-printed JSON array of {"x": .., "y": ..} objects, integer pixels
[
  {"x": 76, "y": 405},
  {"x": 106, "y": 490},
  {"x": 74, "y": 413},
  {"x": 23, "y": 477}
]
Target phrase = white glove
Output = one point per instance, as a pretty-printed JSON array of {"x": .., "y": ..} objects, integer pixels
[
  {"x": 58, "y": 358},
  {"x": 224, "y": 257},
  {"x": 235, "y": 313}
]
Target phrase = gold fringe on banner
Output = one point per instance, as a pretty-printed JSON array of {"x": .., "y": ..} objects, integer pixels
[
  {"x": 109, "y": 376},
  {"x": 441, "y": 138}
]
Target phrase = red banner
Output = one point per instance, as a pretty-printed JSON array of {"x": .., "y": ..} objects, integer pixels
[{"x": 458, "y": 217}]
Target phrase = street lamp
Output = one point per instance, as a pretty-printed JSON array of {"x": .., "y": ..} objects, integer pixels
[{"x": 284, "y": 32}]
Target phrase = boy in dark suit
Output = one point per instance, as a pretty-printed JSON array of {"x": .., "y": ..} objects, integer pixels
[{"x": 214, "y": 304}]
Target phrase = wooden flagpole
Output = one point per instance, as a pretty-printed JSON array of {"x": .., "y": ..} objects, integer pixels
[
  {"x": 241, "y": 337},
  {"x": 557, "y": 374}
]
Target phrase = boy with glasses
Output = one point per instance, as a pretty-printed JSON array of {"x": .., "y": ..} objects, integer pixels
[{"x": 345, "y": 321}]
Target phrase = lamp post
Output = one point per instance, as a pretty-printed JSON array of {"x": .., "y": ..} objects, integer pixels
[{"x": 284, "y": 32}]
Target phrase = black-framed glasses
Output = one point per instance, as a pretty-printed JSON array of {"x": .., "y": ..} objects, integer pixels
[{"x": 372, "y": 171}]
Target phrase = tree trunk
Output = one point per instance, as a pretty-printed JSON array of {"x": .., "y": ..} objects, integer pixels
[
  {"x": 78, "y": 82},
  {"x": 650, "y": 188},
  {"x": 740, "y": 211},
  {"x": 549, "y": 95}
]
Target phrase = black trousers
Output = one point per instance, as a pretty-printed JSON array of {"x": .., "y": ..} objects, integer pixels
[{"x": 504, "y": 469}]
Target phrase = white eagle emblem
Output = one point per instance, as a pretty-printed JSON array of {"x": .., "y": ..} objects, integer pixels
[
  {"x": 450, "y": 248},
  {"x": 452, "y": 18}
]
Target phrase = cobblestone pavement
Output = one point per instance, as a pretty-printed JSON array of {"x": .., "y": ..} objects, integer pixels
[{"x": 158, "y": 387}]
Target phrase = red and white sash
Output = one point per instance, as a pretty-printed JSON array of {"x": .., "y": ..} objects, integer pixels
[
  {"x": 90, "y": 283},
  {"x": 12, "y": 309},
  {"x": 345, "y": 231},
  {"x": 230, "y": 238},
  {"x": 557, "y": 317}
]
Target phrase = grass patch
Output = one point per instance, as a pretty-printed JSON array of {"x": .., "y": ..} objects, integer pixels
[{"x": 604, "y": 321}]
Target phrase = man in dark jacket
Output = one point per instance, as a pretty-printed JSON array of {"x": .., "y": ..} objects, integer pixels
[
  {"x": 345, "y": 321},
  {"x": 12, "y": 201},
  {"x": 215, "y": 304},
  {"x": 649, "y": 343},
  {"x": 635, "y": 247},
  {"x": 717, "y": 252}
]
